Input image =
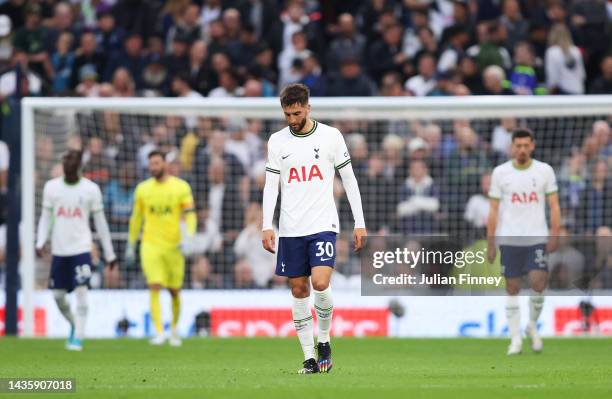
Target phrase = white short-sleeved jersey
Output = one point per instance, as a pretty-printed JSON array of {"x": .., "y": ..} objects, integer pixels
[
  {"x": 522, "y": 194},
  {"x": 307, "y": 164},
  {"x": 71, "y": 206}
]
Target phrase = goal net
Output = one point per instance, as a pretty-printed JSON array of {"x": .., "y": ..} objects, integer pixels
[{"x": 423, "y": 167}]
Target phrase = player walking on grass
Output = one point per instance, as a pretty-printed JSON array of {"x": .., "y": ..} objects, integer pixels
[
  {"x": 162, "y": 201},
  {"x": 517, "y": 221},
  {"x": 68, "y": 202},
  {"x": 303, "y": 157}
]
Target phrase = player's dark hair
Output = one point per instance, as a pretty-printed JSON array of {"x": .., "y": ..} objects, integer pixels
[
  {"x": 296, "y": 93},
  {"x": 156, "y": 153},
  {"x": 522, "y": 132}
]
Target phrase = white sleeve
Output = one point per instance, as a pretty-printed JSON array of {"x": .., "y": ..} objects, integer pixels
[
  {"x": 102, "y": 227},
  {"x": 495, "y": 190},
  {"x": 551, "y": 182},
  {"x": 270, "y": 191},
  {"x": 44, "y": 223}
]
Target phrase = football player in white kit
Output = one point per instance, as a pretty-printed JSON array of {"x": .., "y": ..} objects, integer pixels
[
  {"x": 519, "y": 191},
  {"x": 303, "y": 158},
  {"x": 68, "y": 203}
]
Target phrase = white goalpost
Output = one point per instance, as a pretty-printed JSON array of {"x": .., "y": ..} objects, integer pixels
[{"x": 567, "y": 120}]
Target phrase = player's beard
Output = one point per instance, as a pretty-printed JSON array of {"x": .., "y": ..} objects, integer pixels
[
  {"x": 300, "y": 126},
  {"x": 158, "y": 174}
]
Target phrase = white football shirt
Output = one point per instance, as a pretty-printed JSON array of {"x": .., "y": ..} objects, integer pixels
[
  {"x": 522, "y": 195},
  {"x": 71, "y": 206},
  {"x": 307, "y": 164}
]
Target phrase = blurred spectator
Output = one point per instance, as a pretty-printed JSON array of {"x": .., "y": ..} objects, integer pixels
[
  {"x": 412, "y": 42},
  {"x": 89, "y": 86},
  {"x": 419, "y": 201},
  {"x": 348, "y": 43},
  {"x": 243, "y": 275},
  {"x": 523, "y": 78},
  {"x": 63, "y": 61},
  {"x": 286, "y": 60},
  {"x": 513, "y": 21},
  {"x": 564, "y": 68},
  {"x": 572, "y": 182},
  {"x": 199, "y": 70},
  {"x": 177, "y": 59},
  {"x": 597, "y": 197},
  {"x": 423, "y": 83},
  {"x": 351, "y": 82},
  {"x": 109, "y": 36},
  {"x": 187, "y": 27},
  {"x": 379, "y": 195},
  {"x": 31, "y": 83},
  {"x": 477, "y": 208},
  {"x": 457, "y": 40},
  {"x": 61, "y": 22},
  {"x": 567, "y": 264},
  {"x": 119, "y": 197},
  {"x": 391, "y": 85},
  {"x": 248, "y": 247},
  {"x": 386, "y": 54},
  {"x": 30, "y": 38},
  {"x": 228, "y": 85},
  {"x": 490, "y": 49},
  {"x": 313, "y": 77},
  {"x": 131, "y": 59},
  {"x": 470, "y": 75},
  {"x": 6, "y": 41},
  {"x": 494, "y": 81},
  {"x": 97, "y": 166},
  {"x": 88, "y": 55},
  {"x": 202, "y": 275},
  {"x": 123, "y": 83},
  {"x": 501, "y": 140},
  {"x": 603, "y": 83}
]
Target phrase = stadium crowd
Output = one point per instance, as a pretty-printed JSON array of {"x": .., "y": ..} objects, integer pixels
[
  {"x": 416, "y": 177},
  {"x": 338, "y": 48}
]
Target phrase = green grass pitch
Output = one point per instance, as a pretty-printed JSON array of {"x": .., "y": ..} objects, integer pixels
[{"x": 364, "y": 368}]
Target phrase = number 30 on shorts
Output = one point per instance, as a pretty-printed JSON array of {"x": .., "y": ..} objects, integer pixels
[{"x": 325, "y": 248}]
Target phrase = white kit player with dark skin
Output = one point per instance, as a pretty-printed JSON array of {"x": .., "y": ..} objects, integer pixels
[
  {"x": 303, "y": 158},
  {"x": 68, "y": 203},
  {"x": 519, "y": 191}
]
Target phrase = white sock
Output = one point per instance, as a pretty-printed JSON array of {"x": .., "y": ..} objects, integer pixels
[
  {"x": 536, "y": 303},
  {"x": 513, "y": 314},
  {"x": 63, "y": 306},
  {"x": 81, "y": 311},
  {"x": 302, "y": 319},
  {"x": 324, "y": 308}
]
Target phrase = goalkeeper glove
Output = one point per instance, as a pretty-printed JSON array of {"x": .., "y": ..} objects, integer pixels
[
  {"x": 186, "y": 245},
  {"x": 130, "y": 255}
]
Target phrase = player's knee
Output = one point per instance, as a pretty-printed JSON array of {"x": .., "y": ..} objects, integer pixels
[
  {"x": 300, "y": 291},
  {"x": 512, "y": 289},
  {"x": 174, "y": 292},
  {"x": 155, "y": 287},
  {"x": 320, "y": 285}
]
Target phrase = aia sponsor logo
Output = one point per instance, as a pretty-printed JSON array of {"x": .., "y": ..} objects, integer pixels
[
  {"x": 570, "y": 321},
  {"x": 277, "y": 322},
  {"x": 40, "y": 321},
  {"x": 301, "y": 174},
  {"x": 70, "y": 213},
  {"x": 525, "y": 198}
]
